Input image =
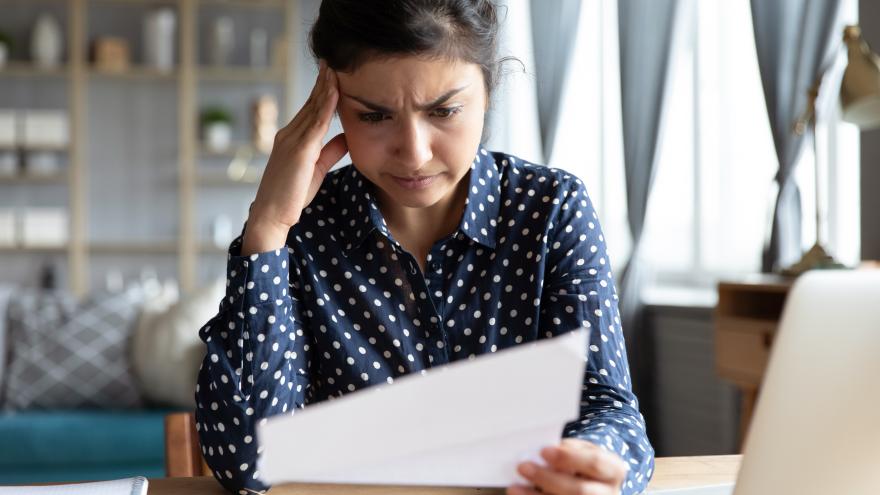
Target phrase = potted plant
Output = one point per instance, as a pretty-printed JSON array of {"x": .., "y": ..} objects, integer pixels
[
  {"x": 5, "y": 48},
  {"x": 216, "y": 128}
]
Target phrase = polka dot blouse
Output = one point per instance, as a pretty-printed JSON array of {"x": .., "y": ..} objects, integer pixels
[{"x": 343, "y": 307}]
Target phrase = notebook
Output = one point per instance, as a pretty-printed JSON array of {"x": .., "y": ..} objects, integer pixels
[{"x": 127, "y": 486}]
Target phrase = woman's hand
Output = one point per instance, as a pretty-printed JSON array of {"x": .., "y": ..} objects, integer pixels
[
  {"x": 298, "y": 162},
  {"x": 574, "y": 467}
]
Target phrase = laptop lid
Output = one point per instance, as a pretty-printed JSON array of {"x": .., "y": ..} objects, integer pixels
[{"x": 816, "y": 428}]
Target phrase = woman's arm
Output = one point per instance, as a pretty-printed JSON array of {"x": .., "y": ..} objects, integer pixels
[
  {"x": 256, "y": 364},
  {"x": 579, "y": 291}
]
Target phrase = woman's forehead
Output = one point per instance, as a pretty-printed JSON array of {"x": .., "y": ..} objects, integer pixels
[{"x": 409, "y": 78}]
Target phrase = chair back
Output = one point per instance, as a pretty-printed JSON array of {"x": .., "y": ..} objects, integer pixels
[{"x": 183, "y": 457}]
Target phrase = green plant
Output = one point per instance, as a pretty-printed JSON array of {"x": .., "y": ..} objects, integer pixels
[
  {"x": 216, "y": 115},
  {"x": 5, "y": 39}
]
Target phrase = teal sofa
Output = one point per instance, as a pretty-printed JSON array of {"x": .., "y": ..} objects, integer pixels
[{"x": 79, "y": 445}]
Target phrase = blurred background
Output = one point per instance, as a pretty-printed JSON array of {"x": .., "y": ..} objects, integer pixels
[{"x": 720, "y": 140}]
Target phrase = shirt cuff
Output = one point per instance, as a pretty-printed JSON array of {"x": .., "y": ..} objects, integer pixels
[{"x": 261, "y": 278}]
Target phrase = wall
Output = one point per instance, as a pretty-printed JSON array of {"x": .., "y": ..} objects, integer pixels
[
  {"x": 869, "y": 18},
  {"x": 691, "y": 411}
]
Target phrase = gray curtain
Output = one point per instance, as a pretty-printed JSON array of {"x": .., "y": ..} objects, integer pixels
[
  {"x": 645, "y": 32},
  {"x": 794, "y": 41},
  {"x": 553, "y": 34}
]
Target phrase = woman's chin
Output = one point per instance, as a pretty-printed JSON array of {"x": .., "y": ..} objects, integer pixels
[
  {"x": 414, "y": 199},
  {"x": 410, "y": 197}
]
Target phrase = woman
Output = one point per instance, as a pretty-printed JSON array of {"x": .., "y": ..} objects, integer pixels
[{"x": 427, "y": 250}]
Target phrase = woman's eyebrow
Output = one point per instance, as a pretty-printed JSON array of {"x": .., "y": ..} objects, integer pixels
[{"x": 427, "y": 106}]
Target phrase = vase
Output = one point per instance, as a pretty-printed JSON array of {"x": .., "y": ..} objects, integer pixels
[
  {"x": 222, "y": 40},
  {"x": 218, "y": 136},
  {"x": 259, "y": 48},
  {"x": 46, "y": 42},
  {"x": 159, "y": 31}
]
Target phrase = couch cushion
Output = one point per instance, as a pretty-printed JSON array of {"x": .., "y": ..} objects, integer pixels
[
  {"x": 167, "y": 350},
  {"x": 67, "y": 355},
  {"x": 63, "y": 474},
  {"x": 81, "y": 440}
]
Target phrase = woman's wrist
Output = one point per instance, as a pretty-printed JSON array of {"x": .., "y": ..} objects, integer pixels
[{"x": 261, "y": 236}]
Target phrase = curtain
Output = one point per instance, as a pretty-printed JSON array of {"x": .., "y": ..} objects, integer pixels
[
  {"x": 554, "y": 31},
  {"x": 646, "y": 33},
  {"x": 512, "y": 123},
  {"x": 795, "y": 40},
  {"x": 526, "y": 107}
]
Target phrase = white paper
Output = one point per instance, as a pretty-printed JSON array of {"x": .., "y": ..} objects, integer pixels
[
  {"x": 128, "y": 486},
  {"x": 468, "y": 423}
]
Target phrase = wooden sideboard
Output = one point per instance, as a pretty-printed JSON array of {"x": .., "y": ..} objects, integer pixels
[{"x": 746, "y": 318}]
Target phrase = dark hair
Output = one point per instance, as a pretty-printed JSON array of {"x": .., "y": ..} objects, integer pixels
[{"x": 347, "y": 33}]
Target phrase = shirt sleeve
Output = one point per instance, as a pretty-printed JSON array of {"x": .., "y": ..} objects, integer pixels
[
  {"x": 256, "y": 364},
  {"x": 578, "y": 292}
]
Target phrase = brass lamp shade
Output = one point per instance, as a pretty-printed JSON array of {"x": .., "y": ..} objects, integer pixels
[{"x": 860, "y": 88}]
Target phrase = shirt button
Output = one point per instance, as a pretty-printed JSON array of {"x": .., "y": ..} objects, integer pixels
[{"x": 435, "y": 266}]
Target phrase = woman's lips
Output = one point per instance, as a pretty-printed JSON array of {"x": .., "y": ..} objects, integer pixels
[{"x": 415, "y": 183}]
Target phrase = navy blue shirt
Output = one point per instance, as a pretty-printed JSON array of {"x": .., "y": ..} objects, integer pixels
[{"x": 343, "y": 306}]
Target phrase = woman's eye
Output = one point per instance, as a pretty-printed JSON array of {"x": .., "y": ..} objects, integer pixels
[
  {"x": 372, "y": 117},
  {"x": 446, "y": 112}
]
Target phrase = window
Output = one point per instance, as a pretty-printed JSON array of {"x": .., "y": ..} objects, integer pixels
[
  {"x": 710, "y": 207},
  {"x": 589, "y": 142},
  {"x": 709, "y": 210}
]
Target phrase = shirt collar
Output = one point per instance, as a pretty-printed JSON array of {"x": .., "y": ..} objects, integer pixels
[
  {"x": 360, "y": 214},
  {"x": 481, "y": 207}
]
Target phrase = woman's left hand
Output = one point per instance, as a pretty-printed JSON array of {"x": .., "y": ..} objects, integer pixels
[{"x": 574, "y": 467}]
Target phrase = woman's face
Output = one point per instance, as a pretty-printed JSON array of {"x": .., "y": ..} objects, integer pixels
[{"x": 412, "y": 125}]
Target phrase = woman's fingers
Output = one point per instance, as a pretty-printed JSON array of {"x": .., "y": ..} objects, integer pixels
[
  {"x": 313, "y": 120},
  {"x": 308, "y": 107},
  {"x": 585, "y": 460},
  {"x": 548, "y": 480},
  {"x": 325, "y": 106},
  {"x": 332, "y": 152}
]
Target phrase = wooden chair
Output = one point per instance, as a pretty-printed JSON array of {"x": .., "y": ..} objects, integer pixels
[{"x": 183, "y": 457}]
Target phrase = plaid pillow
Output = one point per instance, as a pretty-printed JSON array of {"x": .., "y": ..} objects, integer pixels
[{"x": 65, "y": 355}]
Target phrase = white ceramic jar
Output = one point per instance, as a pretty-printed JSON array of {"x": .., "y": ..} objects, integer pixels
[{"x": 46, "y": 42}]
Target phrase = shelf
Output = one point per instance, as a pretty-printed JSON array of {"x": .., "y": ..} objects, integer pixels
[
  {"x": 61, "y": 148},
  {"x": 168, "y": 247},
  {"x": 117, "y": 249},
  {"x": 33, "y": 249},
  {"x": 275, "y": 4},
  {"x": 235, "y": 171},
  {"x": 60, "y": 177},
  {"x": 212, "y": 249},
  {"x": 150, "y": 3},
  {"x": 135, "y": 73},
  {"x": 234, "y": 74},
  {"x": 236, "y": 149},
  {"x": 27, "y": 69},
  {"x": 223, "y": 179}
]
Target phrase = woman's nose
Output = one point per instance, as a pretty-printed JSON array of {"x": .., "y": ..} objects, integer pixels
[{"x": 413, "y": 145}]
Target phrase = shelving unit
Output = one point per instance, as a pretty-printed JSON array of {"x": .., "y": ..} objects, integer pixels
[
  {"x": 55, "y": 178},
  {"x": 189, "y": 80},
  {"x": 23, "y": 69}
]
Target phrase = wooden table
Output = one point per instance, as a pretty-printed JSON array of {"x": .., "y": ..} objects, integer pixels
[
  {"x": 746, "y": 318},
  {"x": 669, "y": 472}
]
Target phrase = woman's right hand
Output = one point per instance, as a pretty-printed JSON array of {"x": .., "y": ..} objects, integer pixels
[{"x": 297, "y": 165}]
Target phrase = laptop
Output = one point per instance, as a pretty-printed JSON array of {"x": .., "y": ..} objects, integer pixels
[{"x": 816, "y": 427}]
